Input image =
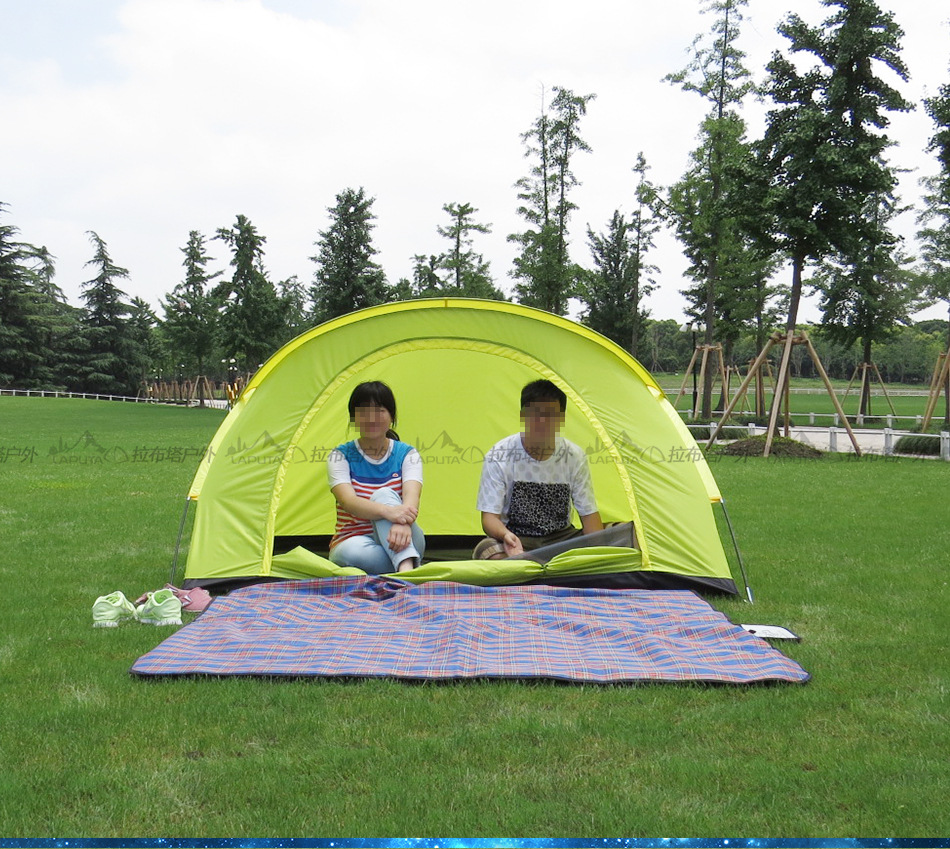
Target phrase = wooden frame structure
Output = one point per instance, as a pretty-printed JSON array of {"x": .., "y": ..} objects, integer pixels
[
  {"x": 866, "y": 369},
  {"x": 940, "y": 382},
  {"x": 706, "y": 351},
  {"x": 201, "y": 389},
  {"x": 780, "y": 398},
  {"x": 758, "y": 409}
]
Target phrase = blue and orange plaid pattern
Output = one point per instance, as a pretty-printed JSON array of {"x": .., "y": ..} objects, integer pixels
[{"x": 383, "y": 627}]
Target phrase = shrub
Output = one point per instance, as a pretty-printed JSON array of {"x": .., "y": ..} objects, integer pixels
[
  {"x": 918, "y": 443},
  {"x": 781, "y": 447}
]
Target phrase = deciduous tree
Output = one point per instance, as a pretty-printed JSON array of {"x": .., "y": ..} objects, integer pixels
[
  {"x": 934, "y": 215},
  {"x": 822, "y": 150},
  {"x": 866, "y": 295}
]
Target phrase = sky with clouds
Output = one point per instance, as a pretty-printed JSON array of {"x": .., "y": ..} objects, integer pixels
[{"x": 145, "y": 119}]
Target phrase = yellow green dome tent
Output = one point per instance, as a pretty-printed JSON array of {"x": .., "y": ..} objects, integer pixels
[{"x": 456, "y": 367}]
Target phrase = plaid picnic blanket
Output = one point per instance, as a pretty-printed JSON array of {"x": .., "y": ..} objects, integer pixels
[{"x": 383, "y": 627}]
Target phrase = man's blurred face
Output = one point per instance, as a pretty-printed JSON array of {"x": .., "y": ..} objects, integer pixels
[{"x": 541, "y": 419}]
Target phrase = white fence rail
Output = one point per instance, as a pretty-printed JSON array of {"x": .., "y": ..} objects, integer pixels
[
  {"x": 94, "y": 396},
  {"x": 49, "y": 393},
  {"x": 834, "y": 439}
]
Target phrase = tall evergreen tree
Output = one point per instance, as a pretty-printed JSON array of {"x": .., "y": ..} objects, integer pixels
[
  {"x": 106, "y": 347},
  {"x": 23, "y": 357},
  {"x": 191, "y": 312},
  {"x": 294, "y": 307},
  {"x": 608, "y": 290},
  {"x": 347, "y": 278},
  {"x": 467, "y": 272},
  {"x": 934, "y": 218},
  {"x": 145, "y": 346},
  {"x": 251, "y": 323},
  {"x": 57, "y": 323},
  {"x": 426, "y": 282},
  {"x": 543, "y": 268},
  {"x": 613, "y": 292},
  {"x": 703, "y": 205},
  {"x": 643, "y": 229},
  {"x": 43, "y": 272}
]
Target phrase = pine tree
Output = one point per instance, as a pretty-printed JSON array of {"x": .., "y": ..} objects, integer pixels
[
  {"x": 57, "y": 324},
  {"x": 731, "y": 261},
  {"x": 106, "y": 349},
  {"x": 543, "y": 268},
  {"x": 622, "y": 277},
  {"x": 347, "y": 278},
  {"x": 145, "y": 348},
  {"x": 467, "y": 272},
  {"x": 426, "y": 282},
  {"x": 24, "y": 314},
  {"x": 251, "y": 324},
  {"x": 294, "y": 307},
  {"x": 191, "y": 312},
  {"x": 606, "y": 289},
  {"x": 703, "y": 204}
]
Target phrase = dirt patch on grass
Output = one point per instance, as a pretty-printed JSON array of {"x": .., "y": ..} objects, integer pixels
[{"x": 781, "y": 447}]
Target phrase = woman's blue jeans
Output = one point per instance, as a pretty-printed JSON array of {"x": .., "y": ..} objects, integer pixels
[{"x": 371, "y": 553}]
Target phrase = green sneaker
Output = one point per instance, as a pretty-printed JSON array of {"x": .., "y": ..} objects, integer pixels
[
  {"x": 160, "y": 608},
  {"x": 109, "y": 610}
]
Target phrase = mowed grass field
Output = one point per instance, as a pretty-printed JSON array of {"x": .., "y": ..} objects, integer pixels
[{"x": 853, "y": 555}]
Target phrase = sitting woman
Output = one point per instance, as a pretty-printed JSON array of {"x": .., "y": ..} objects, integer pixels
[{"x": 377, "y": 483}]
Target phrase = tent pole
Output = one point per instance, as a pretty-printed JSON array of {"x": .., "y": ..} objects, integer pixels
[
  {"x": 181, "y": 529},
  {"x": 735, "y": 545}
]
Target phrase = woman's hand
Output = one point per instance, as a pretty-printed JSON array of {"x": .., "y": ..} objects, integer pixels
[
  {"x": 401, "y": 514},
  {"x": 399, "y": 537}
]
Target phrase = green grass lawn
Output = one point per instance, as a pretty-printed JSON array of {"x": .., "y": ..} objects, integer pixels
[{"x": 850, "y": 554}]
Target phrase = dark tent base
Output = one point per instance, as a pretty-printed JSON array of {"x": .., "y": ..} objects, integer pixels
[
  {"x": 612, "y": 581},
  {"x": 459, "y": 547}
]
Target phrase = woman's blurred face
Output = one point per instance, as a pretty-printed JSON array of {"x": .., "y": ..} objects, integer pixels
[{"x": 372, "y": 420}]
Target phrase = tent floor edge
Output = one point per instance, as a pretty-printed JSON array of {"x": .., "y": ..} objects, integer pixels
[
  {"x": 638, "y": 580},
  {"x": 643, "y": 580}
]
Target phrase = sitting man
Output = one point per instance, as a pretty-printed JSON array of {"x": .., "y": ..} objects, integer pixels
[{"x": 529, "y": 481}]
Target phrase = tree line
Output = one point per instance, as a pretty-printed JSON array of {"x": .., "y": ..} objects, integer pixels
[{"x": 814, "y": 193}]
